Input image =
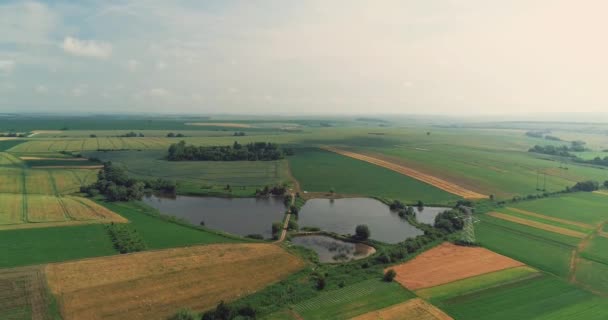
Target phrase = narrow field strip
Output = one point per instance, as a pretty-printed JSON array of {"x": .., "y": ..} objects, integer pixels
[
  {"x": 538, "y": 225},
  {"x": 57, "y": 159},
  {"x": 434, "y": 181},
  {"x": 602, "y": 192},
  {"x": 417, "y": 309},
  {"x": 542, "y": 216},
  {"x": 68, "y": 167}
]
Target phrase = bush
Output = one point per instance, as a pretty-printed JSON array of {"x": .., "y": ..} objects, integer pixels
[
  {"x": 588, "y": 186},
  {"x": 292, "y": 225},
  {"x": 362, "y": 232},
  {"x": 389, "y": 275},
  {"x": 606, "y": 183},
  {"x": 183, "y": 314},
  {"x": 125, "y": 239}
]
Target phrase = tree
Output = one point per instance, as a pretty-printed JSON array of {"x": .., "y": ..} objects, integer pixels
[
  {"x": 389, "y": 275},
  {"x": 170, "y": 135},
  {"x": 588, "y": 186},
  {"x": 362, "y": 232},
  {"x": 606, "y": 183}
]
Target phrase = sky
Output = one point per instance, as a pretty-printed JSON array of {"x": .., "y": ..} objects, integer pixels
[{"x": 453, "y": 57}]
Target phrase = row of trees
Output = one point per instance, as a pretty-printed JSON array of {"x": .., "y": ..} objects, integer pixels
[
  {"x": 175, "y": 135},
  {"x": 563, "y": 151},
  {"x": 13, "y": 134},
  {"x": 256, "y": 151},
  {"x": 132, "y": 135},
  {"x": 125, "y": 239}
]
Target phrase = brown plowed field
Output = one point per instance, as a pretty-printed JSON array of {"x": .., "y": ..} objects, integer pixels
[
  {"x": 417, "y": 309},
  {"x": 434, "y": 181},
  {"x": 447, "y": 263},
  {"x": 538, "y": 225},
  {"x": 570, "y": 222},
  {"x": 155, "y": 284}
]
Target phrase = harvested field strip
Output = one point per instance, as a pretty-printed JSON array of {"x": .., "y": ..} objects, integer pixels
[
  {"x": 154, "y": 284},
  {"x": 413, "y": 309},
  {"x": 68, "y": 167},
  {"x": 101, "y": 213},
  {"x": 43, "y": 208},
  {"x": 539, "y": 225},
  {"x": 78, "y": 211},
  {"x": 602, "y": 192},
  {"x": 447, "y": 263},
  {"x": 353, "y": 300},
  {"x": 11, "y": 207},
  {"x": 53, "y": 159},
  {"x": 23, "y": 294},
  {"x": 434, "y": 181},
  {"x": 533, "y": 214},
  {"x": 484, "y": 281}
]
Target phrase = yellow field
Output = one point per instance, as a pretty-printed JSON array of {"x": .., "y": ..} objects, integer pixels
[
  {"x": 417, "y": 309},
  {"x": 44, "y": 208},
  {"x": 155, "y": 284},
  {"x": 38, "y": 182},
  {"x": 84, "y": 209},
  {"x": 11, "y": 180},
  {"x": 538, "y": 225},
  {"x": 11, "y": 208}
]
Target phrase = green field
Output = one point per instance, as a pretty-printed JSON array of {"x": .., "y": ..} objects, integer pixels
[
  {"x": 543, "y": 297},
  {"x": 349, "y": 301},
  {"x": 321, "y": 171},
  {"x": 560, "y": 224},
  {"x": 586, "y": 207},
  {"x": 597, "y": 250}
]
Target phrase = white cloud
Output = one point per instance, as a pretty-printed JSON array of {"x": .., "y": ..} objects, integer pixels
[
  {"x": 87, "y": 48},
  {"x": 7, "y": 66},
  {"x": 132, "y": 65},
  {"x": 161, "y": 65},
  {"x": 40, "y": 89}
]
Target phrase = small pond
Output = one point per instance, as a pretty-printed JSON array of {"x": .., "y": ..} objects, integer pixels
[
  {"x": 343, "y": 215},
  {"x": 427, "y": 214},
  {"x": 332, "y": 250},
  {"x": 240, "y": 216}
]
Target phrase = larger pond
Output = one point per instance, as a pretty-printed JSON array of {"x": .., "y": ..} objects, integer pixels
[
  {"x": 343, "y": 215},
  {"x": 241, "y": 216},
  {"x": 334, "y": 250}
]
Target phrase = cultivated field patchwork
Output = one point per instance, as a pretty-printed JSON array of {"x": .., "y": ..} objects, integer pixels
[
  {"x": 447, "y": 263},
  {"x": 434, "y": 181},
  {"x": 412, "y": 309},
  {"x": 23, "y": 294},
  {"x": 155, "y": 284}
]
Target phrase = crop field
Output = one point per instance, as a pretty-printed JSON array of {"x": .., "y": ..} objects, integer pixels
[
  {"x": 537, "y": 224},
  {"x": 584, "y": 207},
  {"x": 320, "y": 171},
  {"x": 149, "y": 164},
  {"x": 24, "y": 295},
  {"x": 412, "y": 309},
  {"x": 157, "y": 283},
  {"x": 11, "y": 208},
  {"x": 447, "y": 263},
  {"x": 543, "y": 297},
  {"x": 348, "y": 302},
  {"x": 434, "y": 181},
  {"x": 11, "y": 180}
]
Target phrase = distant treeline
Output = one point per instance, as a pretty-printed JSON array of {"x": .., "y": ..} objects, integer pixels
[
  {"x": 564, "y": 151},
  {"x": 541, "y": 134},
  {"x": 256, "y": 151}
]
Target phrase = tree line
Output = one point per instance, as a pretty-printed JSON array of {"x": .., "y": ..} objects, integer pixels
[
  {"x": 255, "y": 151},
  {"x": 114, "y": 184}
]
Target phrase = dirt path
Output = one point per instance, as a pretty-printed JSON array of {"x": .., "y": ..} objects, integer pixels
[
  {"x": 538, "y": 225},
  {"x": 576, "y": 253},
  {"x": 287, "y": 217},
  {"x": 426, "y": 178}
]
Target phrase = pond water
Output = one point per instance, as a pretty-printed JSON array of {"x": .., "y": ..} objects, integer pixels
[
  {"x": 427, "y": 214},
  {"x": 240, "y": 216},
  {"x": 343, "y": 215},
  {"x": 332, "y": 250}
]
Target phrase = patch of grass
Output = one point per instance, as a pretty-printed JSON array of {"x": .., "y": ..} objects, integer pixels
[
  {"x": 533, "y": 299},
  {"x": 321, "y": 171},
  {"x": 593, "y": 274},
  {"x": 586, "y": 207},
  {"x": 470, "y": 285},
  {"x": 7, "y": 144},
  {"x": 43, "y": 245},
  {"x": 597, "y": 250},
  {"x": 353, "y": 300}
]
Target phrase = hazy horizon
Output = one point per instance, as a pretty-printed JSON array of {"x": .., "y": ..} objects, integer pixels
[{"x": 456, "y": 58}]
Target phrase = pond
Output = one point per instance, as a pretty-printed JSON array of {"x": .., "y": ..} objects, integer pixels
[
  {"x": 343, "y": 215},
  {"x": 427, "y": 214},
  {"x": 332, "y": 250},
  {"x": 240, "y": 216}
]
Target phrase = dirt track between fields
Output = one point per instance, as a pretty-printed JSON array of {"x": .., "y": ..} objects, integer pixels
[
  {"x": 426, "y": 178},
  {"x": 58, "y": 159},
  {"x": 538, "y": 225},
  {"x": 155, "y": 284},
  {"x": 416, "y": 308},
  {"x": 570, "y": 222},
  {"x": 68, "y": 167},
  {"x": 448, "y": 263}
]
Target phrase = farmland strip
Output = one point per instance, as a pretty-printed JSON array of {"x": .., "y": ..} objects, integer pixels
[
  {"x": 411, "y": 309},
  {"x": 538, "y": 225},
  {"x": 434, "y": 181},
  {"x": 542, "y": 216}
]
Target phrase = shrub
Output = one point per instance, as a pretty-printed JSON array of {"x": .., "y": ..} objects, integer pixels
[
  {"x": 125, "y": 239},
  {"x": 183, "y": 314},
  {"x": 389, "y": 275},
  {"x": 588, "y": 186}
]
